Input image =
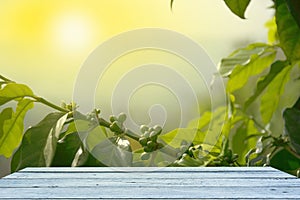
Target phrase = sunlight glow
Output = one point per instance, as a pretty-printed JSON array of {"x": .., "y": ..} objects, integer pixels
[{"x": 73, "y": 33}]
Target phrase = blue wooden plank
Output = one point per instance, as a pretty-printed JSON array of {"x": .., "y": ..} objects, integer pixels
[
  {"x": 147, "y": 169},
  {"x": 155, "y": 183},
  {"x": 178, "y": 175},
  {"x": 153, "y": 192},
  {"x": 145, "y": 182}
]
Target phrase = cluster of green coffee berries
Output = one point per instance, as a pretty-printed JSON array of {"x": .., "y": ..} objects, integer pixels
[
  {"x": 117, "y": 123},
  {"x": 148, "y": 140},
  {"x": 189, "y": 155},
  {"x": 93, "y": 117}
]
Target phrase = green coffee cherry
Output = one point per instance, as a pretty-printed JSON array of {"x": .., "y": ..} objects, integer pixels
[
  {"x": 144, "y": 128},
  {"x": 143, "y": 141},
  {"x": 147, "y": 149},
  {"x": 154, "y": 138},
  {"x": 97, "y": 111},
  {"x": 151, "y": 144},
  {"x": 145, "y": 156},
  {"x": 192, "y": 149},
  {"x": 122, "y": 117},
  {"x": 157, "y": 129},
  {"x": 113, "y": 118},
  {"x": 151, "y": 129},
  {"x": 153, "y": 134},
  {"x": 146, "y": 134}
]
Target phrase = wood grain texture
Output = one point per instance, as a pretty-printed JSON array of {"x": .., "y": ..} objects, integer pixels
[{"x": 154, "y": 183}]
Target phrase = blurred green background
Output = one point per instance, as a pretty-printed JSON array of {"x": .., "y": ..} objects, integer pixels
[{"x": 43, "y": 44}]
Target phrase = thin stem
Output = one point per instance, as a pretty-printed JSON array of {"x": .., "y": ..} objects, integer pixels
[
  {"x": 127, "y": 132},
  {"x": 48, "y": 103},
  {"x": 132, "y": 135},
  {"x": 104, "y": 123},
  {"x": 5, "y": 79},
  {"x": 39, "y": 99}
]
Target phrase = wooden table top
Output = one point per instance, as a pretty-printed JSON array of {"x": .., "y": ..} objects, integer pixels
[{"x": 154, "y": 183}]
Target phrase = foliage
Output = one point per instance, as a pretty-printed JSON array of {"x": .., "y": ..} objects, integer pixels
[
  {"x": 260, "y": 64},
  {"x": 238, "y": 7},
  {"x": 70, "y": 138},
  {"x": 67, "y": 137}
]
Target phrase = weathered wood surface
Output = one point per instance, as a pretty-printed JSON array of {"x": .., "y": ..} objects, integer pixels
[{"x": 154, "y": 183}]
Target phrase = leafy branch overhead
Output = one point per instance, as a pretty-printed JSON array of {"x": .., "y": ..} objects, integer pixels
[
  {"x": 288, "y": 29},
  {"x": 259, "y": 64}
]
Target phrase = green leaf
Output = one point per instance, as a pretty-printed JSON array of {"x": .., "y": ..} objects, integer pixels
[
  {"x": 285, "y": 161},
  {"x": 91, "y": 161},
  {"x": 82, "y": 127},
  {"x": 51, "y": 143},
  {"x": 263, "y": 83},
  {"x": 238, "y": 7},
  {"x": 36, "y": 141},
  {"x": 95, "y": 136},
  {"x": 81, "y": 157},
  {"x": 79, "y": 126},
  {"x": 88, "y": 131},
  {"x": 288, "y": 31},
  {"x": 294, "y": 7},
  {"x": 241, "y": 56},
  {"x": 201, "y": 123},
  {"x": 292, "y": 126},
  {"x": 271, "y": 97},
  {"x": 12, "y": 128},
  {"x": 66, "y": 150},
  {"x": 6, "y": 114},
  {"x": 114, "y": 152},
  {"x": 70, "y": 130},
  {"x": 245, "y": 63},
  {"x": 238, "y": 141},
  {"x": 13, "y": 91},
  {"x": 241, "y": 142},
  {"x": 210, "y": 126},
  {"x": 205, "y": 130},
  {"x": 175, "y": 137},
  {"x": 171, "y": 4},
  {"x": 272, "y": 31}
]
